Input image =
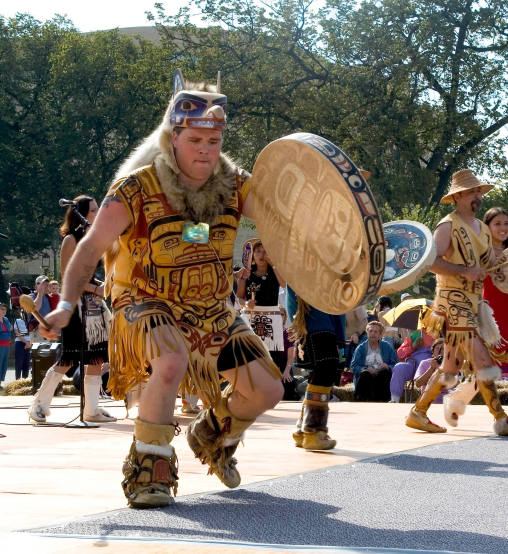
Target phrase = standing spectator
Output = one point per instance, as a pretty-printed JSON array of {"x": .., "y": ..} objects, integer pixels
[
  {"x": 42, "y": 305},
  {"x": 258, "y": 290},
  {"x": 383, "y": 305},
  {"x": 54, "y": 294},
  {"x": 497, "y": 220},
  {"x": 372, "y": 366},
  {"x": 317, "y": 337},
  {"x": 22, "y": 347},
  {"x": 5, "y": 342}
]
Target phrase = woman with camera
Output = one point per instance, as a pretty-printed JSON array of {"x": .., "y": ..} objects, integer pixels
[{"x": 427, "y": 367}]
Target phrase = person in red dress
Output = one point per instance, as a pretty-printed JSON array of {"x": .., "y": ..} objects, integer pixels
[{"x": 497, "y": 220}]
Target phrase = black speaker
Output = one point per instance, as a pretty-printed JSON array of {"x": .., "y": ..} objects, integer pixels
[{"x": 44, "y": 355}]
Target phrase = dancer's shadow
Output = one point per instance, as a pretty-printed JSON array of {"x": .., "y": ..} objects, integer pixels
[
  {"x": 428, "y": 464},
  {"x": 258, "y": 517}
]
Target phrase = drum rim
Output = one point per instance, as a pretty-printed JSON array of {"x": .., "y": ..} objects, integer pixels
[{"x": 370, "y": 287}]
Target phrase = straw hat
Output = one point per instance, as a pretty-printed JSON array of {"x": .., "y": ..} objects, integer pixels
[{"x": 464, "y": 180}]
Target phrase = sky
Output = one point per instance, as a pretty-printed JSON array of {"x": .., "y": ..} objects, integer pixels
[{"x": 90, "y": 15}]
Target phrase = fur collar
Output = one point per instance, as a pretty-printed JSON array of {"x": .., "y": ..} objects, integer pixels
[{"x": 204, "y": 204}]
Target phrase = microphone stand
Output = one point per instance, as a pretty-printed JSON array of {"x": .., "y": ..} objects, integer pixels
[{"x": 82, "y": 423}]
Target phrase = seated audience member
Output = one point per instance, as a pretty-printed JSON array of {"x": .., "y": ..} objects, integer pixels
[
  {"x": 427, "y": 367},
  {"x": 372, "y": 365},
  {"x": 414, "y": 349}
]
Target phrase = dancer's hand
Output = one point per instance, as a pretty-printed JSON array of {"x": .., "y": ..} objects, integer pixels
[
  {"x": 474, "y": 273},
  {"x": 57, "y": 319}
]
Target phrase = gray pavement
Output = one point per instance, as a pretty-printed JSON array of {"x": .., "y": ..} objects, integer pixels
[{"x": 446, "y": 497}]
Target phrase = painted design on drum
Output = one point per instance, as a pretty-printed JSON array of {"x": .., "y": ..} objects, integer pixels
[
  {"x": 365, "y": 202},
  {"x": 310, "y": 199},
  {"x": 405, "y": 246},
  {"x": 292, "y": 199}
]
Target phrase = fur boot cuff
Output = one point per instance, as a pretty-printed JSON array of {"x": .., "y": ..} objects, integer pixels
[
  {"x": 501, "y": 426},
  {"x": 166, "y": 451},
  {"x": 491, "y": 373},
  {"x": 448, "y": 380}
]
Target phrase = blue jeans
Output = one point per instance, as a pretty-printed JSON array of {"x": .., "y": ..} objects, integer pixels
[{"x": 4, "y": 354}]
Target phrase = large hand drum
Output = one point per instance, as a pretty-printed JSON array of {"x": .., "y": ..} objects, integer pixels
[
  {"x": 410, "y": 251},
  {"x": 319, "y": 222}
]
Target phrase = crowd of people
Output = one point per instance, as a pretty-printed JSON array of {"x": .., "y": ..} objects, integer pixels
[{"x": 166, "y": 230}]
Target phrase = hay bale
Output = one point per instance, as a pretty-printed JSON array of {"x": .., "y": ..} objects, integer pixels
[
  {"x": 19, "y": 387},
  {"x": 23, "y": 387}
]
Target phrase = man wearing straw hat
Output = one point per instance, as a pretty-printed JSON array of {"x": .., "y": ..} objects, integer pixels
[{"x": 464, "y": 253}]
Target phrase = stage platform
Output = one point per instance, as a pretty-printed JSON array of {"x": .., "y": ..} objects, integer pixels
[{"x": 385, "y": 488}]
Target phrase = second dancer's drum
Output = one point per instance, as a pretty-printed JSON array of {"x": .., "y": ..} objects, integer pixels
[
  {"x": 319, "y": 222},
  {"x": 410, "y": 251}
]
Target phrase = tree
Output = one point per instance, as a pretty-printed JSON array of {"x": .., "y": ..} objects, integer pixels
[
  {"x": 413, "y": 91},
  {"x": 25, "y": 50},
  {"x": 72, "y": 106}
]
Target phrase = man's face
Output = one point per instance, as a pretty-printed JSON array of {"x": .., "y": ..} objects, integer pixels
[
  {"x": 3, "y": 311},
  {"x": 197, "y": 153},
  {"x": 471, "y": 199},
  {"x": 43, "y": 287}
]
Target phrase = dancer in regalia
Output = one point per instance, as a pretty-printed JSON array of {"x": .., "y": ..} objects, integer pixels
[
  {"x": 169, "y": 222},
  {"x": 464, "y": 252},
  {"x": 318, "y": 337}
]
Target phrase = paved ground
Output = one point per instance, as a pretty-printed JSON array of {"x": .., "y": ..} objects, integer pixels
[{"x": 385, "y": 486}]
